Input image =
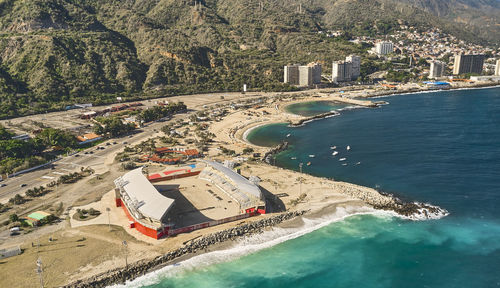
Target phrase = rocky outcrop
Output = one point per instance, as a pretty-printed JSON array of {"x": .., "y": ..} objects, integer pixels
[
  {"x": 134, "y": 270},
  {"x": 388, "y": 202},
  {"x": 269, "y": 154}
]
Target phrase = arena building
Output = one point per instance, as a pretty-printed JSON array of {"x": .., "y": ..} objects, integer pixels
[
  {"x": 245, "y": 192},
  {"x": 145, "y": 207},
  {"x": 191, "y": 204}
]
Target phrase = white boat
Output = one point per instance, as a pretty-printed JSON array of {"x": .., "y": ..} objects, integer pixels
[
  {"x": 348, "y": 148},
  {"x": 288, "y": 135},
  {"x": 333, "y": 147},
  {"x": 345, "y": 164},
  {"x": 342, "y": 159},
  {"x": 335, "y": 153},
  {"x": 312, "y": 156},
  {"x": 358, "y": 163},
  {"x": 294, "y": 158}
]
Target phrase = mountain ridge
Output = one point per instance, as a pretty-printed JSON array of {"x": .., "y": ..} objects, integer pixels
[{"x": 58, "y": 52}]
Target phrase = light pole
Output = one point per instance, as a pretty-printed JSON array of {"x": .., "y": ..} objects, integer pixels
[
  {"x": 39, "y": 270},
  {"x": 109, "y": 219},
  {"x": 125, "y": 247},
  {"x": 300, "y": 178}
]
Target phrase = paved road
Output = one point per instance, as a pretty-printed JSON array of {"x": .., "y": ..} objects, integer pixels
[{"x": 74, "y": 163}]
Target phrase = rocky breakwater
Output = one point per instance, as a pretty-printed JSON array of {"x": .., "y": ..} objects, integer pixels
[
  {"x": 134, "y": 270},
  {"x": 302, "y": 121},
  {"x": 388, "y": 202},
  {"x": 269, "y": 154}
]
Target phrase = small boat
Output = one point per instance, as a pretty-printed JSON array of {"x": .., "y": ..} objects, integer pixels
[
  {"x": 342, "y": 159},
  {"x": 308, "y": 163},
  {"x": 348, "y": 148},
  {"x": 312, "y": 156},
  {"x": 335, "y": 153},
  {"x": 333, "y": 147},
  {"x": 294, "y": 158},
  {"x": 358, "y": 163},
  {"x": 288, "y": 135},
  {"x": 345, "y": 164}
]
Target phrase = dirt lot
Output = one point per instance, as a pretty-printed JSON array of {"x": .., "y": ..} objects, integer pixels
[{"x": 89, "y": 246}]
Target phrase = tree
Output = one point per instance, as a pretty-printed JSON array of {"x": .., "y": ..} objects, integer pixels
[
  {"x": 56, "y": 137},
  {"x": 5, "y": 134},
  {"x": 18, "y": 199},
  {"x": 13, "y": 218},
  {"x": 247, "y": 150}
]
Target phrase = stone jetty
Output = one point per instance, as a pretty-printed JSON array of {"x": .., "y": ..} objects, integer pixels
[{"x": 140, "y": 268}]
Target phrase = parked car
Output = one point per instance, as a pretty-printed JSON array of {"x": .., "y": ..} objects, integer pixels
[
  {"x": 3, "y": 185},
  {"x": 24, "y": 185},
  {"x": 14, "y": 231}
]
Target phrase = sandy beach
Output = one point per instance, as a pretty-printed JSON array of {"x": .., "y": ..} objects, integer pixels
[{"x": 288, "y": 191}]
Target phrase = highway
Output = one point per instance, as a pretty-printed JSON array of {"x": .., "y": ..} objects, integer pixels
[{"x": 95, "y": 160}]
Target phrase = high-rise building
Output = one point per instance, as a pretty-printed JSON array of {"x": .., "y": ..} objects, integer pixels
[
  {"x": 384, "y": 48},
  {"x": 468, "y": 64},
  {"x": 341, "y": 71},
  {"x": 292, "y": 74},
  {"x": 356, "y": 65},
  {"x": 437, "y": 70},
  {"x": 316, "y": 72},
  {"x": 497, "y": 68},
  {"x": 304, "y": 76}
]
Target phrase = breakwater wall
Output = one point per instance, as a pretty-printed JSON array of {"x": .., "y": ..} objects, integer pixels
[
  {"x": 302, "y": 121},
  {"x": 140, "y": 268}
]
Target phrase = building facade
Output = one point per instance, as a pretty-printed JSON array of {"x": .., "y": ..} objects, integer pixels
[
  {"x": 356, "y": 65},
  {"x": 468, "y": 64},
  {"x": 303, "y": 76},
  {"x": 497, "y": 68},
  {"x": 438, "y": 69},
  {"x": 384, "y": 48},
  {"x": 291, "y": 74},
  {"x": 316, "y": 73},
  {"x": 341, "y": 71}
]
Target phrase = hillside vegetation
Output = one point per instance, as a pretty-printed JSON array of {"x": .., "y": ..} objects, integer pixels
[{"x": 57, "y": 52}]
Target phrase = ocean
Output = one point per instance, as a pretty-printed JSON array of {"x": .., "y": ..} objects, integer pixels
[{"x": 441, "y": 147}]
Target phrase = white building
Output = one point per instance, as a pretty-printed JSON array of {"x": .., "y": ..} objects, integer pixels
[
  {"x": 384, "y": 48},
  {"x": 143, "y": 201},
  {"x": 356, "y": 65},
  {"x": 246, "y": 193},
  {"x": 497, "y": 68},
  {"x": 341, "y": 71},
  {"x": 437, "y": 70}
]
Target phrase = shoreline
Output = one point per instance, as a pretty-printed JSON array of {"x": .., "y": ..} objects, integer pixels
[
  {"x": 381, "y": 203},
  {"x": 302, "y": 120}
]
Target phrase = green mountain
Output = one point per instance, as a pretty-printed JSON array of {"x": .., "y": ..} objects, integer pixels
[
  {"x": 480, "y": 16},
  {"x": 58, "y": 52}
]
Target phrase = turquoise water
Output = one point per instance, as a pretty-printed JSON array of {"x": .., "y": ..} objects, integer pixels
[
  {"x": 442, "y": 148},
  {"x": 314, "y": 107}
]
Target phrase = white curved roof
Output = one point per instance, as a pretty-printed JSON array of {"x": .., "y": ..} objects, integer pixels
[
  {"x": 241, "y": 182},
  {"x": 149, "y": 202}
]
